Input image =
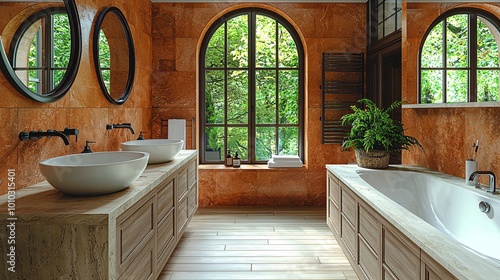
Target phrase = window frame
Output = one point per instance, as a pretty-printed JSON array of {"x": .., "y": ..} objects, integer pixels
[
  {"x": 472, "y": 68},
  {"x": 251, "y": 125}
]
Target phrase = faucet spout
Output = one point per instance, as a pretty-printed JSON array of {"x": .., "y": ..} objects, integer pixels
[
  {"x": 23, "y": 136},
  {"x": 122, "y": 125},
  {"x": 492, "y": 184}
]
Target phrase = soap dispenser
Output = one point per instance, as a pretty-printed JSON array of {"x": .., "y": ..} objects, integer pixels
[
  {"x": 229, "y": 159},
  {"x": 87, "y": 148},
  {"x": 141, "y": 137},
  {"x": 236, "y": 160}
]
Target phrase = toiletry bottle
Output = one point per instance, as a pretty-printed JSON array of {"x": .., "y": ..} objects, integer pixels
[
  {"x": 229, "y": 159},
  {"x": 236, "y": 160}
]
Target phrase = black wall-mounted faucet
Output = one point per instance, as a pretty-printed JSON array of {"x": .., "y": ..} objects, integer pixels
[
  {"x": 122, "y": 125},
  {"x": 24, "y": 135}
]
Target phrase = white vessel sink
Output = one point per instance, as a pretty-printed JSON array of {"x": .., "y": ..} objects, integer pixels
[
  {"x": 160, "y": 150},
  {"x": 94, "y": 173}
]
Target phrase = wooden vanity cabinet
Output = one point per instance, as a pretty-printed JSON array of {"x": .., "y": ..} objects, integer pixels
[
  {"x": 374, "y": 247},
  {"x": 148, "y": 232}
]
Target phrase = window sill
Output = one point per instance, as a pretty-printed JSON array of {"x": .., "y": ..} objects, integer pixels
[
  {"x": 452, "y": 105},
  {"x": 252, "y": 167}
]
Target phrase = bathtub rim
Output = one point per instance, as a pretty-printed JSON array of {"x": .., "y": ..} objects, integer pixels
[{"x": 458, "y": 260}]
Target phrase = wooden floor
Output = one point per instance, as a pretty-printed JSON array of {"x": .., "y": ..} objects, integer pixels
[{"x": 258, "y": 243}]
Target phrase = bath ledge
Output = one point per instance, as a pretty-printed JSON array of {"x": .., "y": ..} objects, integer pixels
[{"x": 263, "y": 167}]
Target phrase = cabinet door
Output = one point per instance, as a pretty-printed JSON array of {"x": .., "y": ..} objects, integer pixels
[
  {"x": 401, "y": 256},
  {"x": 368, "y": 260},
  {"x": 165, "y": 236},
  {"x": 431, "y": 270},
  {"x": 142, "y": 267},
  {"x": 135, "y": 228}
]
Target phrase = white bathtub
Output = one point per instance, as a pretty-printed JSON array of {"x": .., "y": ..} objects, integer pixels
[{"x": 447, "y": 206}]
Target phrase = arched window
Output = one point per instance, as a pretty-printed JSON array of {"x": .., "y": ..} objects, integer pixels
[
  {"x": 251, "y": 88},
  {"x": 459, "y": 58}
]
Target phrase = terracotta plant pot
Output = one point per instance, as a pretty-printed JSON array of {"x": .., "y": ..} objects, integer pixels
[{"x": 372, "y": 159}]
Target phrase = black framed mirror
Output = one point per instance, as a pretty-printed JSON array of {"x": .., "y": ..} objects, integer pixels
[
  {"x": 114, "y": 55},
  {"x": 41, "y": 48}
]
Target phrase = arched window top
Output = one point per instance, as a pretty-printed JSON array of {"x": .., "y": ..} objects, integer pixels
[
  {"x": 251, "y": 88},
  {"x": 459, "y": 58}
]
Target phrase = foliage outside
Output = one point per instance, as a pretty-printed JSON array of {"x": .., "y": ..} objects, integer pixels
[
  {"x": 228, "y": 92},
  {"x": 374, "y": 129},
  {"x": 456, "y": 69}
]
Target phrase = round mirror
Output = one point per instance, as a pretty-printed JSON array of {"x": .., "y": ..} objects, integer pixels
[
  {"x": 114, "y": 55},
  {"x": 44, "y": 47}
]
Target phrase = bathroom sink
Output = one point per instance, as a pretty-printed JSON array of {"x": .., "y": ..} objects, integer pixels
[
  {"x": 160, "y": 150},
  {"x": 94, "y": 173}
]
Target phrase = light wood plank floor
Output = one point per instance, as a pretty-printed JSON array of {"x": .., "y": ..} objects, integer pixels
[{"x": 258, "y": 243}]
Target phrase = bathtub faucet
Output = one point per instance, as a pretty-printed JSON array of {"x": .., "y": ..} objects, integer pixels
[{"x": 492, "y": 188}]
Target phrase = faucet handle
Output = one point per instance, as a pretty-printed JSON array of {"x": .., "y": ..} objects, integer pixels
[{"x": 23, "y": 135}]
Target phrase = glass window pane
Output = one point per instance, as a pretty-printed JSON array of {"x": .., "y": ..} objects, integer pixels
[
  {"x": 380, "y": 13},
  {"x": 265, "y": 42},
  {"x": 237, "y": 42},
  {"x": 214, "y": 56},
  {"x": 399, "y": 19},
  {"x": 265, "y": 143},
  {"x": 214, "y": 143},
  {"x": 58, "y": 76},
  {"x": 431, "y": 86},
  {"x": 457, "y": 41},
  {"x": 488, "y": 85},
  {"x": 456, "y": 87},
  {"x": 62, "y": 41},
  {"x": 487, "y": 44},
  {"x": 237, "y": 97},
  {"x": 389, "y": 8},
  {"x": 237, "y": 141},
  {"x": 289, "y": 97},
  {"x": 265, "y": 96},
  {"x": 288, "y": 141},
  {"x": 390, "y": 25},
  {"x": 288, "y": 55},
  {"x": 432, "y": 51},
  {"x": 214, "y": 96},
  {"x": 380, "y": 30}
]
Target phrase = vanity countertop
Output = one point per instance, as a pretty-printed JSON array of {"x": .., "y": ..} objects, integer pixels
[
  {"x": 41, "y": 201},
  {"x": 439, "y": 246}
]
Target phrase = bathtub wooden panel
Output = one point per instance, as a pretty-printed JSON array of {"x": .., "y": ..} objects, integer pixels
[
  {"x": 431, "y": 270},
  {"x": 399, "y": 256},
  {"x": 369, "y": 228},
  {"x": 349, "y": 205},
  {"x": 368, "y": 260}
]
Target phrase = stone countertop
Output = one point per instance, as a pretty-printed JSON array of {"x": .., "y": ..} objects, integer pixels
[
  {"x": 455, "y": 258},
  {"x": 41, "y": 201}
]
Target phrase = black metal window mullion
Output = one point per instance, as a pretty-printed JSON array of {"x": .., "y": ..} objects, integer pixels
[
  {"x": 472, "y": 53},
  {"x": 444, "y": 62},
  {"x": 225, "y": 88}
]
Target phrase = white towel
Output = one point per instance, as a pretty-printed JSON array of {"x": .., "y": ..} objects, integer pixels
[
  {"x": 288, "y": 164},
  {"x": 177, "y": 130},
  {"x": 286, "y": 158}
]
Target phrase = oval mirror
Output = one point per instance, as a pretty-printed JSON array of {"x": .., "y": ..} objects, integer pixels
[
  {"x": 44, "y": 47},
  {"x": 114, "y": 55}
]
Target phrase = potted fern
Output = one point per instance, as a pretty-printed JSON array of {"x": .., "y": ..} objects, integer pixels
[{"x": 374, "y": 134}]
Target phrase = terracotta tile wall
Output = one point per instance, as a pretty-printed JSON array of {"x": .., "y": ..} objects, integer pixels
[
  {"x": 178, "y": 30},
  {"x": 84, "y": 107},
  {"x": 445, "y": 133}
]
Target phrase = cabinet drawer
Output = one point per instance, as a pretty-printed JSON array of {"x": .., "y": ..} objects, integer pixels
[
  {"x": 135, "y": 228},
  {"x": 334, "y": 215},
  {"x": 165, "y": 239},
  {"x": 165, "y": 200},
  {"x": 182, "y": 215},
  {"x": 369, "y": 228},
  {"x": 334, "y": 189},
  {"x": 348, "y": 235},
  {"x": 182, "y": 184},
  {"x": 368, "y": 260},
  {"x": 401, "y": 256},
  {"x": 192, "y": 201},
  {"x": 191, "y": 175},
  {"x": 348, "y": 207},
  {"x": 142, "y": 267}
]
